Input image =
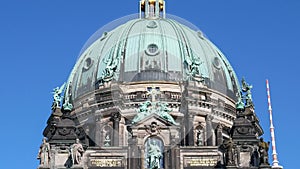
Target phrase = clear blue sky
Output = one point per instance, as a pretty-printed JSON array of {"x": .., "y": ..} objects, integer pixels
[{"x": 40, "y": 41}]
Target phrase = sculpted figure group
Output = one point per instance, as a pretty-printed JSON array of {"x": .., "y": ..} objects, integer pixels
[{"x": 261, "y": 157}]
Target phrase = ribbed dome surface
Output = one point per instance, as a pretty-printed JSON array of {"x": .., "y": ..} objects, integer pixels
[{"x": 152, "y": 50}]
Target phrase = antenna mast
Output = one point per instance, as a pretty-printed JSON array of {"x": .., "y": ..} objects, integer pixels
[{"x": 275, "y": 164}]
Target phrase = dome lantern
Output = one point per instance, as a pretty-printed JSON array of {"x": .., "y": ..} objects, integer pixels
[{"x": 152, "y": 9}]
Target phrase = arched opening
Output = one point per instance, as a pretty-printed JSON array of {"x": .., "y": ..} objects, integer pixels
[{"x": 199, "y": 136}]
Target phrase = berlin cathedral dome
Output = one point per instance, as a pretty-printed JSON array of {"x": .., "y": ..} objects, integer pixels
[{"x": 151, "y": 91}]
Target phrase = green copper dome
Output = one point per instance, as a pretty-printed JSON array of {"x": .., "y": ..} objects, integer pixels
[{"x": 152, "y": 49}]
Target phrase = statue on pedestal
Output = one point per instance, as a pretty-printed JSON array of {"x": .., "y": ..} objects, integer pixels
[
  {"x": 44, "y": 153},
  {"x": 76, "y": 151}
]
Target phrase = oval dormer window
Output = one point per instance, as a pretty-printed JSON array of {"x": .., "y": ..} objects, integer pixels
[{"x": 152, "y": 50}]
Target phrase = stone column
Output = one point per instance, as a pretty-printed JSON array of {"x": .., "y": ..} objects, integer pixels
[
  {"x": 133, "y": 153},
  {"x": 174, "y": 154},
  {"x": 184, "y": 109},
  {"x": 116, "y": 117},
  {"x": 190, "y": 141}
]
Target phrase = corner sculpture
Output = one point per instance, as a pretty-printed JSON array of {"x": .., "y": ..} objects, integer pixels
[
  {"x": 57, "y": 98},
  {"x": 248, "y": 96},
  {"x": 153, "y": 107},
  {"x": 44, "y": 153}
]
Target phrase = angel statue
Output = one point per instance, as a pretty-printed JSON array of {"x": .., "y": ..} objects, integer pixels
[
  {"x": 247, "y": 89},
  {"x": 57, "y": 96}
]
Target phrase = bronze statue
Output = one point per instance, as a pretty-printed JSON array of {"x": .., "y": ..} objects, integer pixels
[
  {"x": 247, "y": 89},
  {"x": 57, "y": 96},
  {"x": 44, "y": 153},
  {"x": 160, "y": 108},
  {"x": 263, "y": 152}
]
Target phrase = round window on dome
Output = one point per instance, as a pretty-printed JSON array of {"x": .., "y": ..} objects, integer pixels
[
  {"x": 88, "y": 64},
  {"x": 216, "y": 62},
  {"x": 152, "y": 50}
]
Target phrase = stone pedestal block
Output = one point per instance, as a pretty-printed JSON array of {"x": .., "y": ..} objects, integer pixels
[{"x": 264, "y": 167}]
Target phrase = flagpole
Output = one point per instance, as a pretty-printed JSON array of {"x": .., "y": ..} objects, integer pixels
[{"x": 275, "y": 163}]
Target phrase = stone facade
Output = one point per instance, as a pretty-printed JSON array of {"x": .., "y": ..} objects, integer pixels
[{"x": 206, "y": 120}]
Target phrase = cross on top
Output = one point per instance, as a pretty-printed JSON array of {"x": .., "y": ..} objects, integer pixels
[{"x": 153, "y": 91}]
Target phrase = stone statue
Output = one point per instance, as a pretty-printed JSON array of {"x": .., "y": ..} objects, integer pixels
[
  {"x": 200, "y": 138},
  {"x": 44, "y": 153},
  {"x": 263, "y": 148},
  {"x": 254, "y": 161},
  {"x": 247, "y": 88},
  {"x": 154, "y": 155},
  {"x": 57, "y": 96},
  {"x": 76, "y": 151},
  {"x": 229, "y": 152}
]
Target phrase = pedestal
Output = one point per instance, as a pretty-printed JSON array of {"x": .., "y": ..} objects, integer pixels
[
  {"x": 277, "y": 167},
  {"x": 231, "y": 167},
  {"x": 264, "y": 167},
  {"x": 43, "y": 167}
]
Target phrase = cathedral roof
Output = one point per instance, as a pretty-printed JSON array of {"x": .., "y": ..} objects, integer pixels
[{"x": 151, "y": 49}]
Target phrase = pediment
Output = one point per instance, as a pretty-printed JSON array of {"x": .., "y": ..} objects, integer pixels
[{"x": 153, "y": 118}]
